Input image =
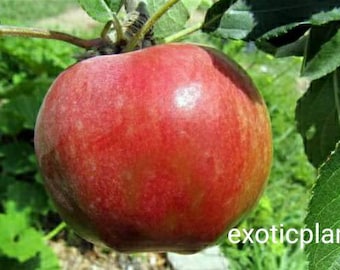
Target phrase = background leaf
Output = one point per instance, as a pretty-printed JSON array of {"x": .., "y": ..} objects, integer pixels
[
  {"x": 17, "y": 239},
  {"x": 324, "y": 209},
  {"x": 252, "y": 19},
  {"x": 17, "y": 158},
  {"x": 26, "y": 107},
  {"x": 44, "y": 260},
  {"x": 317, "y": 118},
  {"x": 325, "y": 16},
  {"x": 191, "y": 5},
  {"x": 171, "y": 22},
  {"x": 323, "y": 51},
  {"x": 29, "y": 197},
  {"x": 295, "y": 48},
  {"x": 101, "y": 10},
  {"x": 114, "y": 5},
  {"x": 229, "y": 21}
]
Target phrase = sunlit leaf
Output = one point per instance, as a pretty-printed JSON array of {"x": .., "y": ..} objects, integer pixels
[
  {"x": 17, "y": 239},
  {"x": 172, "y": 21},
  {"x": 101, "y": 10},
  {"x": 323, "y": 51},
  {"x": 324, "y": 212},
  {"x": 191, "y": 5}
]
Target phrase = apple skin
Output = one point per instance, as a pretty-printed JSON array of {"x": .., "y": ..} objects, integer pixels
[{"x": 161, "y": 149}]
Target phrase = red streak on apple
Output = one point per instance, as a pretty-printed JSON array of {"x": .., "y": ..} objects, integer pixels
[{"x": 161, "y": 149}]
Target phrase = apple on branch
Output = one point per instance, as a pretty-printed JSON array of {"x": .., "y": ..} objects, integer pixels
[{"x": 159, "y": 149}]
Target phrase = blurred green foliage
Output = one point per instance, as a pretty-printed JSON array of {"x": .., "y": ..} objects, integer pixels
[
  {"x": 27, "y": 68},
  {"x": 28, "y": 11}
]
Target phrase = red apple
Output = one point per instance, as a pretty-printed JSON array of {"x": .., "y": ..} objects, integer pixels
[{"x": 161, "y": 149}]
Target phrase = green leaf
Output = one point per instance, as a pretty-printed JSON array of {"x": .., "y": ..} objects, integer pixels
[
  {"x": 191, "y": 5},
  {"x": 317, "y": 115},
  {"x": 325, "y": 17},
  {"x": 26, "y": 107},
  {"x": 296, "y": 48},
  {"x": 276, "y": 47},
  {"x": 19, "y": 113},
  {"x": 172, "y": 21},
  {"x": 5, "y": 182},
  {"x": 324, "y": 210},
  {"x": 9, "y": 122},
  {"x": 229, "y": 21},
  {"x": 323, "y": 51},
  {"x": 28, "y": 197},
  {"x": 335, "y": 264},
  {"x": 17, "y": 239},
  {"x": 46, "y": 259},
  {"x": 17, "y": 158},
  {"x": 101, "y": 10},
  {"x": 252, "y": 19},
  {"x": 114, "y": 5},
  {"x": 27, "y": 87}
]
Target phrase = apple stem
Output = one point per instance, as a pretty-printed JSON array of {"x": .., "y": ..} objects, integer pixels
[
  {"x": 47, "y": 34},
  {"x": 106, "y": 29},
  {"x": 55, "y": 231},
  {"x": 119, "y": 29},
  {"x": 149, "y": 24},
  {"x": 181, "y": 34}
]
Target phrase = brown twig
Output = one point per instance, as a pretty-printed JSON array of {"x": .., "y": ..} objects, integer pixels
[{"x": 47, "y": 34}]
